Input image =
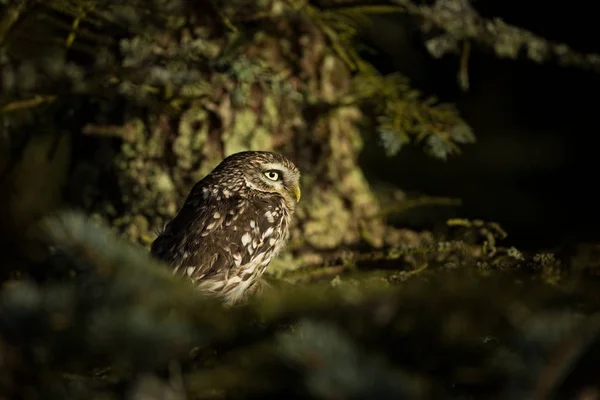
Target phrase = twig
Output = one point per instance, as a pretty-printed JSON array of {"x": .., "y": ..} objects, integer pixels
[{"x": 28, "y": 103}]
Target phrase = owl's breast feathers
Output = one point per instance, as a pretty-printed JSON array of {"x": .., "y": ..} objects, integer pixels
[{"x": 223, "y": 240}]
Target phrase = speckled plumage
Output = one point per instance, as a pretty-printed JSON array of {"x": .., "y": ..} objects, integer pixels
[{"x": 233, "y": 222}]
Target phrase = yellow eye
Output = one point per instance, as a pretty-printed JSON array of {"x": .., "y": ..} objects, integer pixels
[{"x": 272, "y": 175}]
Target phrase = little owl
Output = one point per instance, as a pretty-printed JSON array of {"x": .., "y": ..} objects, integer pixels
[{"x": 233, "y": 222}]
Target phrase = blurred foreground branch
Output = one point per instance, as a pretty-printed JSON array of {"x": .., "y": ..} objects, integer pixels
[{"x": 451, "y": 335}]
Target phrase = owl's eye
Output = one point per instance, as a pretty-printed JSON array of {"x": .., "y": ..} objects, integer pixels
[{"x": 273, "y": 175}]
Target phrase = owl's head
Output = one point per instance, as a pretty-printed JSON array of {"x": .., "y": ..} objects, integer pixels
[{"x": 269, "y": 172}]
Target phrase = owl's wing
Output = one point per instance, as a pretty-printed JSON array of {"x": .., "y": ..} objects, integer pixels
[
  {"x": 186, "y": 243},
  {"x": 213, "y": 235}
]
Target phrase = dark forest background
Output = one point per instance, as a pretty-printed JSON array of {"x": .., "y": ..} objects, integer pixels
[
  {"x": 533, "y": 165},
  {"x": 446, "y": 244}
]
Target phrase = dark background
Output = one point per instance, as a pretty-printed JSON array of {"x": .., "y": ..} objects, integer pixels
[{"x": 533, "y": 168}]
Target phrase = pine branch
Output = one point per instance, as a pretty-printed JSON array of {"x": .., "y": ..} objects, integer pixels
[{"x": 459, "y": 22}]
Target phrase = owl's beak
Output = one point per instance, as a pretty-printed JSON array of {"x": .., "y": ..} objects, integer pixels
[{"x": 296, "y": 192}]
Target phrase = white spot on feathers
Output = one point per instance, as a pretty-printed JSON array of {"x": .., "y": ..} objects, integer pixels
[
  {"x": 268, "y": 232},
  {"x": 246, "y": 238},
  {"x": 237, "y": 258},
  {"x": 269, "y": 216},
  {"x": 258, "y": 259}
]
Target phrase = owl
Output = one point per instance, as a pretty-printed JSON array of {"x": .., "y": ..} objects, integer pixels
[{"x": 232, "y": 224}]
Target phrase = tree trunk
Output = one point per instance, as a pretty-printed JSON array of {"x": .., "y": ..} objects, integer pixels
[{"x": 150, "y": 102}]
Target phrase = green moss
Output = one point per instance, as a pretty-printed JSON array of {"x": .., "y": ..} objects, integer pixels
[{"x": 326, "y": 212}]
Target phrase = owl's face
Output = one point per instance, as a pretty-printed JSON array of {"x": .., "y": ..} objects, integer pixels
[
  {"x": 272, "y": 173},
  {"x": 263, "y": 172}
]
